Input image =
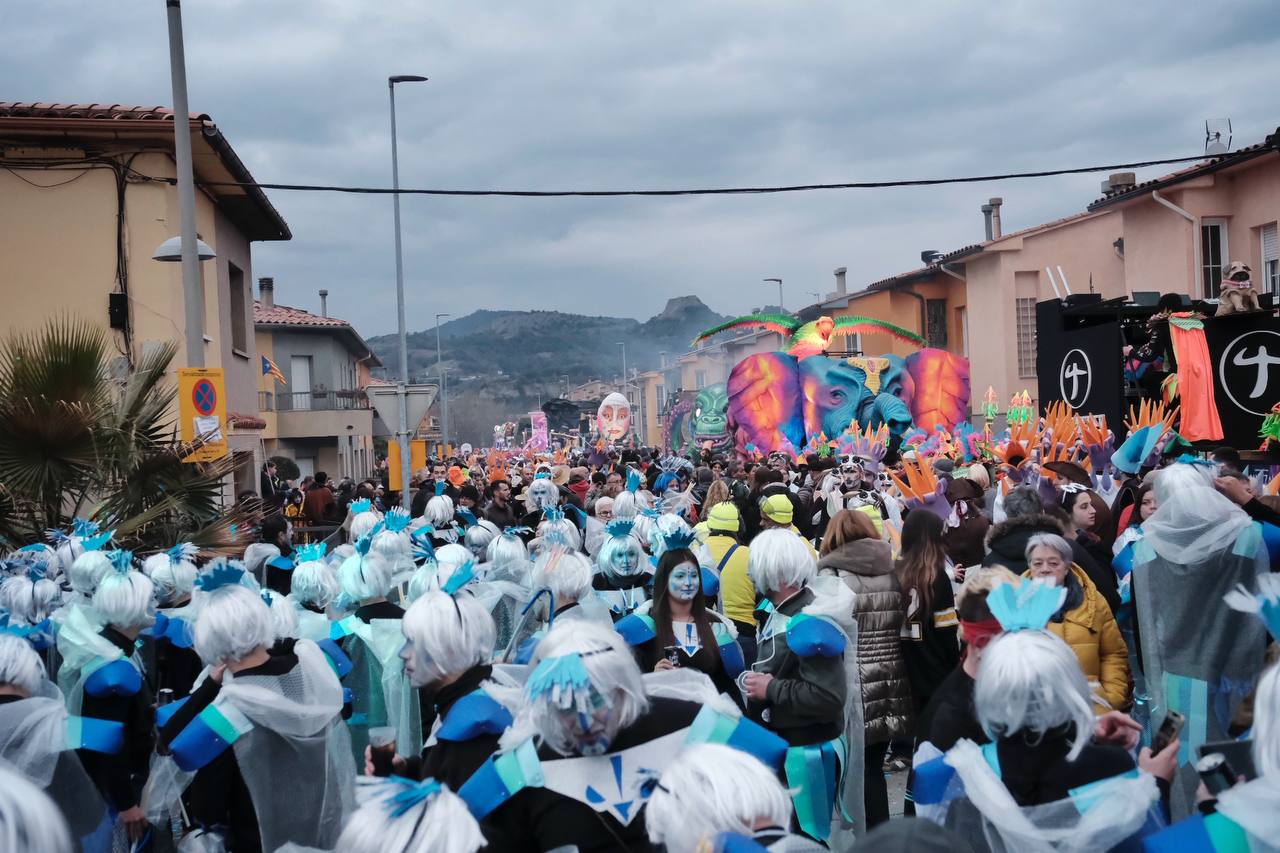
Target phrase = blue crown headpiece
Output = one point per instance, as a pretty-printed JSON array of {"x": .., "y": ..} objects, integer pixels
[
  {"x": 56, "y": 537},
  {"x": 440, "y": 487},
  {"x": 396, "y": 520},
  {"x": 311, "y": 552},
  {"x": 461, "y": 576},
  {"x": 361, "y": 505},
  {"x": 404, "y": 794},
  {"x": 678, "y": 539},
  {"x": 38, "y": 552},
  {"x": 1192, "y": 459},
  {"x": 424, "y": 550},
  {"x": 1265, "y": 603},
  {"x": 121, "y": 560},
  {"x": 1026, "y": 607},
  {"x": 84, "y": 528},
  {"x": 620, "y": 528},
  {"x": 96, "y": 542},
  {"x": 565, "y": 683},
  {"x": 654, "y": 512},
  {"x": 36, "y": 571},
  {"x": 468, "y": 517},
  {"x": 182, "y": 551},
  {"x": 542, "y": 475},
  {"x": 633, "y": 480},
  {"x": 221, "y": 573},
  {"x": 365, "y": 542},
  {"x": 553, "y": 514},
  {"x": 517, "y": 530}
]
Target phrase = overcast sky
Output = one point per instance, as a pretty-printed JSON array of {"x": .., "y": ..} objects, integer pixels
[{"x": 600, "y": 94}]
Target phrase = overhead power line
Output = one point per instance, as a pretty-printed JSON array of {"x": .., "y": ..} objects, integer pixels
[{"x": 794, "y": 188}]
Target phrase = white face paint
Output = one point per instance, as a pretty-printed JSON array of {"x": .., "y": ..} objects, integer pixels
[
  {"x": 419, "y": 667},
  {"x": 684, "y": 582},
  {"x": 592, "y": 732}
]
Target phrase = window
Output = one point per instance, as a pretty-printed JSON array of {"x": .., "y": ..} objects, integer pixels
[
  {"x": 1026, "y": 317},
  {"x": 239, "y": 314},
  {"x": 700, "y": 379},
  {"x": 1270, "y": 260},
  {"x": 660, "y": 394},
  {"x": 1213, "y": 255},
  {"x": 935, "y": 311}
]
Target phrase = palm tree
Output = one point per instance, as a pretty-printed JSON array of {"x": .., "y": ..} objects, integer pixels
[{"x": 76, "y": 441}]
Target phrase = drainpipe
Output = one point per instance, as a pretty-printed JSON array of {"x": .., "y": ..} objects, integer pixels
[
  {"x": 1195, "y": 237},
  {"x": 952, "y": 273},
  {"x": 924, "y": 328}
]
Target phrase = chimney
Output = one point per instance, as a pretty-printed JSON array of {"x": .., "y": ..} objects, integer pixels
[
  {"x": 995, "y": 217},
  {"x": 1119, "y": 182},
  {"x": 929, "y": 256},
  {"x": 986, "y": 216},
  {"x": 324, "y": 303},
  {"x": 662, "y": 358},
  {"x": 267, "y": 292},
  {"x": 842, "y": 288}
]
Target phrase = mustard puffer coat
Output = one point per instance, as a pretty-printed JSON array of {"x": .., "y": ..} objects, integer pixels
[{"x": 1091, "y": 632}]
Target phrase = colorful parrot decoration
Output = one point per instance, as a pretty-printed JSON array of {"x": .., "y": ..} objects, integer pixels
[{"x": 814, "y": 337}]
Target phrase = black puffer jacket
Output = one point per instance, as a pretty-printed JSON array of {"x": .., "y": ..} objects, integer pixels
[
  {"x": 866, "y": 567},
  {"x": 1007, "y": 545}
]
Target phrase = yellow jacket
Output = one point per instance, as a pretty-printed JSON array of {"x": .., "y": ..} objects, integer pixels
[
  {"x": 1091, "y": 632},
  {"x": 736, "y": 589}
]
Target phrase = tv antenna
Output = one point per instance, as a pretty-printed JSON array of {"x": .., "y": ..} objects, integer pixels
[{"x": 1214, "y": 131}]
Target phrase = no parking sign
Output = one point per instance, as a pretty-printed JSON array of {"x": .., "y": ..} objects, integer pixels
[{"x": 203, "y": 411}]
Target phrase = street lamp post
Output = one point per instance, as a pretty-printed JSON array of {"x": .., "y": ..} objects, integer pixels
[
  {"x": 779, "y": 282},
  {"x": 403, "y": 434},
  {"x": 444, "y": 390},
  {"x": 192, "y": 292},
  {"x": 625, "y": 392}
]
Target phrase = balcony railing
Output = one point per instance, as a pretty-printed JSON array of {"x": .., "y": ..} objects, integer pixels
[{"x": 311, "y": 401}]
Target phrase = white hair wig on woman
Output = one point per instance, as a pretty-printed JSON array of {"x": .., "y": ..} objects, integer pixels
[
  {"x": 617, "y": 546},
  {"x": 284, "y": 615},
  {"x": 125, "y": 599},
  {"x": 626, "y": 505},
  {"x": 479, "y": 537},
  {"x": 20, "y": 666},
  {"x": 233, "y": 622},
  {"x": 543, "y": 494},
  {"x": 29, "y": 820},
  {"x": 314, "y": 583},
  {"x": 611, "y": 669},
  {"x": 1031, "y": 681},
  {"x": 709, "y": 789},
  {"x": 42, "y": 555},
  {"x": 28, "y": 600},
  {"x": 173, "y": 579},
  {"x": 454, "y": 633},
  {"x": 394, "y": 545},
  {"x": 438, "y": 823},
  {"x": 365, "y": 577},
  {"x": 434, "y": 574},
  {"x": 87, "y": 571},
  {"x": 363, "y": 522},
  {"x": 566, "y": 573},
  {"x": 779, "y": 558},
  {"x": 439, "y": 512},
  {"x": 1266, "y": 724},
  {"x": 666, "y": 525},
  {"x": 559, "y": 532},
  {"x": 506, "y": 550}
]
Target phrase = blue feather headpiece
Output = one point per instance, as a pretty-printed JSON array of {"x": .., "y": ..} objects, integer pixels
[
  {"x": 1265, "y": 603},
  {"x": 565, "y": 683},
  {"x": 461, "y": 576},
  {"x": 553, "y": 514},
  {"x": 56, "y": 537},
  {"x": 221, "y": 573},
  {"x": 182, "y": 551},
  {"x": 121, "y": 561},
  {"x": 440, "y": 487},
  {"x": 517, "y": 531},
  {"x": 36, "y": 571},
  {"x": 404, "y": 794},
  {"x": 365, "y": 542},
  {"x": 620, "y": 528},
  {"x": 1191, "y": 459},
  {"x": 396, "y": 520},
  {"x": 84, "y": 528},
  {"x": 424, "y": 550},
  {"x": 468, "y": 517},
  {"x": 633, "y": 480},
  {"x": 361, "y": 505},
  {"x": 542, "y": 475},
  {"x": 311, "y": 552},
  {"x": 96, "y": 543},
  {"x": 1026, "y": 607},
  {"x": 678, "y": 539}
]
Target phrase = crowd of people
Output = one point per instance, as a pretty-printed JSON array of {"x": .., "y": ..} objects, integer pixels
[{"x": 1062, "y": 644}]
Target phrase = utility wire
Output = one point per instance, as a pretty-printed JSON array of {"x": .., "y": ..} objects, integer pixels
[{"x": 920, "y": 182}]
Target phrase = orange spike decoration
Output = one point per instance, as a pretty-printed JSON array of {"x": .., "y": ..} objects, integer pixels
[
  {"x": 921, "y": 481},
  {"x": 1150, "y": 413}
]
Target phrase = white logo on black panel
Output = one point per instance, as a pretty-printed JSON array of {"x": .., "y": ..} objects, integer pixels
[
  {"x": 1249, "y": 371},
  {"x": 1075, "y": 378}
]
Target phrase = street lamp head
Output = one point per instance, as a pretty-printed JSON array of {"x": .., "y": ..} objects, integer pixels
[
  {"x": 405, "y": 78},
  {"x": 774, "y": 280},
  {"x": 171, "y": 250}
]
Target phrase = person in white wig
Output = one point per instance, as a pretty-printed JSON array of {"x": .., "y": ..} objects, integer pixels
[
  {"x": 405, "y": 816},
  {"x": 254, "y": 722},
  {"x": 173, "y": 576},
  {"x": 29, "y": 820},
  {"x": 712, "y": 791}
]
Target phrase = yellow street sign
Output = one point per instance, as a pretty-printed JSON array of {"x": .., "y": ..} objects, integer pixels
[
  {"x": 202, "y": 411},
  {"x": 417, "y": 460}
]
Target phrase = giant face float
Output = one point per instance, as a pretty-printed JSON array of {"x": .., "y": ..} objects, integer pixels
[{"x": 613, "y": 418}]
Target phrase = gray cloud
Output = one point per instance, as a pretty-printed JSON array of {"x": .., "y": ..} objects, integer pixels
[{"x": 592, "y": 94}]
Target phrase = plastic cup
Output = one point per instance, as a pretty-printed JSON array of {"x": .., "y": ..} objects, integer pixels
[{"x": 382, "y": 749}]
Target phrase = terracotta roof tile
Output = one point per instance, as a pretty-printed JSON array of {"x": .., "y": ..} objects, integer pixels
[
  {"x": 242, "y": 421},
  {"x": 111, "y": 111},
  {"x": 284, "y": 315}
]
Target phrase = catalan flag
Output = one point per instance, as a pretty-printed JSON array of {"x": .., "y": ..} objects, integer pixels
[{"x": 270, "y": 368}]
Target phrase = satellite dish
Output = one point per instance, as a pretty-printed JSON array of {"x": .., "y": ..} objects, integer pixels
[{"x": 1215, "y": 131}]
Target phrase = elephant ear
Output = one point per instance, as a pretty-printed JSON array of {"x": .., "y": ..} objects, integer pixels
[
  {"x": 764, "y": 402},
  {"x": 940, "y": 396}
]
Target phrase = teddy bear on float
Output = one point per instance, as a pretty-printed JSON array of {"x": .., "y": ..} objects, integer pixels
[{"x": 1237, "y": 290}]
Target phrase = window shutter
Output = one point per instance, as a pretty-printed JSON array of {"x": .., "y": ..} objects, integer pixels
[{"x": 1270, "y": 243}]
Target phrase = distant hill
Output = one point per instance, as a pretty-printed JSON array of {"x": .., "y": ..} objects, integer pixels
[{"x": 502, "y": 363}]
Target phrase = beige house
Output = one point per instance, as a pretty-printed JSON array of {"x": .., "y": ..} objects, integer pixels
[{"x": 86, "y": 197}]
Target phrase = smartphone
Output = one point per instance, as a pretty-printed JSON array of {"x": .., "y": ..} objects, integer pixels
[
  {"x": 1168, "y": 732},
  {"x": 672, "y": 653},
  {"x": 1239, "y": 754}
]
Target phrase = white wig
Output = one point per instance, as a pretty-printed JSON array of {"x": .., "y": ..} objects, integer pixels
[
  {"x": 394, "y": 545},
  {"x": 543, "y": 494},
  {"x": 480, "y": 536},
  {"x": 29, "y": 601},
  {"x": 233, "y": 622},
  {"x": 439, "y": 823},
  {"x": 610, "y": 666},
  {"x": 616, "y": 546},
  {"x": 1031, "y": 681},
  {"x": 124, "y": 599},
  {"x": 314, "y": 583},
  {"x": 29, "y": 820},
  {"x": 362, "y": 523},
  {"x": 1266, "y": 724},
  {"x": 68, "y": 551},
  {"x": 780, "y": 558},
  {"x": 625, "y": 505},
  {"x": 42, "y": 555},
  {"x": 666, "y": 525},
  {"x": 566, "y": 573},
  {"x": 362, "y": 578},
  {"x": 173, "y": 579},
  {"x": 20, "y": 666},
  {"x": 507, "y": 549},
  {"x": 284, "y": 615},
  {"x": 87, "y": 571},
  {"x": 454, "y": 633},
  {"x": 562, "y": 532},
  {"x": 256, "y": 557},
  {"x": 709, "y": 789},
  {"x": 439, "y": 512}
]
